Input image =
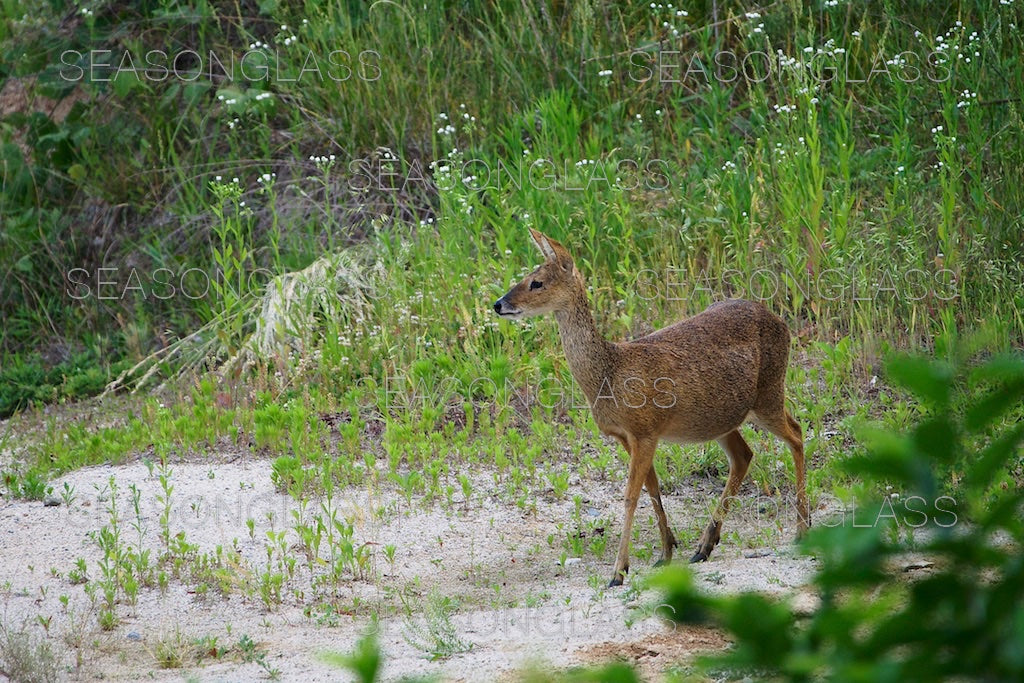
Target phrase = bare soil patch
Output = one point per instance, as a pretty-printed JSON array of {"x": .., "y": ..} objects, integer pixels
[
  {"x": 516, "y": 603},
  {"x": 652, "y": 655}
]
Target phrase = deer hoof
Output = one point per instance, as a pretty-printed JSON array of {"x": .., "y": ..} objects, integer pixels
[
  {"x": 617, "y": 577},
  {"x": 699, "y": 556}
]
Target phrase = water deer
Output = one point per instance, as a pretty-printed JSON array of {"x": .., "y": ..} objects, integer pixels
[{"x": 695, "y": 381}]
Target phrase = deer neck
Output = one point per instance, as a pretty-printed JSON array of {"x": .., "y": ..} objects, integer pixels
[{"x": 589, "y": 355}]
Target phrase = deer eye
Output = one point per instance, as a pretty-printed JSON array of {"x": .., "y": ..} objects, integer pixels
[{"x": 536, "y": 284}]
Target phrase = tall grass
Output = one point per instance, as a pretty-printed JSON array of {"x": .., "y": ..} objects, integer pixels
[{"x": 679, "y": 155}]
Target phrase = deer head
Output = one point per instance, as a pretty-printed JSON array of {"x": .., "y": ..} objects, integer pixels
[{"x": 552, "y": 286}]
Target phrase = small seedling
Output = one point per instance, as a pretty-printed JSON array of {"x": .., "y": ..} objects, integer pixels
[{"x": 68, "y": 495}]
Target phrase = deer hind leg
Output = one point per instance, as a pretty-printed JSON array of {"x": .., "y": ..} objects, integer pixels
[
  {"x": 781, "y": 424},
  {"x": 740, "y": 456},
  {"x": 668, "y": 541},
  {"x": 641, "y": 458}
]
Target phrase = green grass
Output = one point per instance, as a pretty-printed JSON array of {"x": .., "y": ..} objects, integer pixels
[
  {"x": 822, "y": 194},
  {"x": 28, "y": 379}
]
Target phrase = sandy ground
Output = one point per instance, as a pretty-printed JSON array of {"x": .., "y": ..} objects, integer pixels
[{"x": 518, "y": 605}]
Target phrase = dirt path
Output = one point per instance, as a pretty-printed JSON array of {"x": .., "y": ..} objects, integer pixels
[{"x": 511, "y": 596}]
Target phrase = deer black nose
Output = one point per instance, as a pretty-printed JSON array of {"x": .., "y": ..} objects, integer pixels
[{"x": 497, "y": 306}]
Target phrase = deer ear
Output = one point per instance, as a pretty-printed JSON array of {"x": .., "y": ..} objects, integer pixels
[{"x": 544, "y": 244}]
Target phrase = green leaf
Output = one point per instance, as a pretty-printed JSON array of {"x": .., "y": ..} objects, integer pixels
[
  {"x": 890, "y": 457},
  {"x": 1002, "y": 367},
  {"x": 768, "y": 637},
  {"x": 364, "y": 662},
  {"x": 682, "y": 602},
  {"x": 60, "y": 135},
  {"x": 929, "y": 380},
  {"x": 993, "y": 457},
  {"x": 993, "y": 406},
  {"x": 168, "y": 100},
  {"x": 937, "y": 440},
  {"x": 77, "y": 173},
  {"x": 125, "y": 82},
  {"x": 617, "y": 672},
  {"x": 195, "y": 91}
]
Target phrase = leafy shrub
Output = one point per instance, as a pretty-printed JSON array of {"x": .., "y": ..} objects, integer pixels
[
  {"x": 18, "y": 386},
  {"x": 286, "y": 473},
  {"x": 30, "y": 485},
  {"x": 24, "y": 381},
  {"x": 962, "y": 621}
]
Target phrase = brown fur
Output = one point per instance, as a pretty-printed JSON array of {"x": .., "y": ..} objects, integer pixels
[{"x": 695, "y": 381}]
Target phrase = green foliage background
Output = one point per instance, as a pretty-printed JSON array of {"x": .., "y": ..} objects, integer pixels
[{"x": 875, "y": 193}]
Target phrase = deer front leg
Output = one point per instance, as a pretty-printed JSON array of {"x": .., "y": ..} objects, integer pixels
[{"x": 640, "y": 460}]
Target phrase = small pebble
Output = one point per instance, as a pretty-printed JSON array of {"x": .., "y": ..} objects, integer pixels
[
  {"x": 51, "y": 501},
  {"x": 134, "y": 635}
]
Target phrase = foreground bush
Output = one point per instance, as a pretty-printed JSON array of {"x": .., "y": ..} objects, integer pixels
[{"x": 964, "y": 619}]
